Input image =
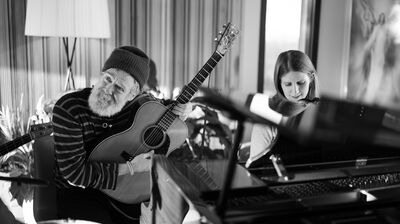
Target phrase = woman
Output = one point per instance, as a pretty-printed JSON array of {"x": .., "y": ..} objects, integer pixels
[{"x": 296, "y": 86}]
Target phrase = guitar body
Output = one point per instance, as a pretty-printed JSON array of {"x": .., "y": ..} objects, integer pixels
[
  {"x": 36, "y": 131},
  {"x": 136, "y": 188},
  {"x": 132, "y": 140}
]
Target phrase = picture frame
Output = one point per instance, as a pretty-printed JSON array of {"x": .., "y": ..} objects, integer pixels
[{"x": 374, "y": 53}]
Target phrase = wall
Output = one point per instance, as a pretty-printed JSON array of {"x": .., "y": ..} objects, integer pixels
[
  {"x": 250, "y": 38},
  {"x": 333, "y": 52}
]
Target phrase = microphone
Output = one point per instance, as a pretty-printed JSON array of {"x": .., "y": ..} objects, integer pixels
[{"x": 245, "y": 107}]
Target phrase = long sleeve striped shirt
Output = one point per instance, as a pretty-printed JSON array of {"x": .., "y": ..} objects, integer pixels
[{"x": 76, "y": 131}]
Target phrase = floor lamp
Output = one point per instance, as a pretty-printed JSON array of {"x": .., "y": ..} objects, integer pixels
[{"x": 68, "y": 19}]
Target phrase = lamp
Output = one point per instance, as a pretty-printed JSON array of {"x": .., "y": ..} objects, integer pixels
[{"x": 68, "y": 19}]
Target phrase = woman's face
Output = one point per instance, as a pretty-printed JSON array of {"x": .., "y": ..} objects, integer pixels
[{"x": 295, "y": 85}]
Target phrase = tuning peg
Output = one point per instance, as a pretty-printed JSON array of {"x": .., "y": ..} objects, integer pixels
[
  {"x": 216, "y": 39},
  {"x": 220, "y": 33}
]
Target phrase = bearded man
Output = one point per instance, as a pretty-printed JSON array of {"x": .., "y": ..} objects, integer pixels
[{"x": 80, "y": 118}]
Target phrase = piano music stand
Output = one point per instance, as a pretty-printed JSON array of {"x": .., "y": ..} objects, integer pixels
[{"x": 241, "y": 114}]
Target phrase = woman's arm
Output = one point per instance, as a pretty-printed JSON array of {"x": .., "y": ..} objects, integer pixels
[{"x": 263, "y": 137}]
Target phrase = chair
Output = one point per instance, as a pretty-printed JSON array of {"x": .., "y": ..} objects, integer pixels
[{"x": 44, "y": 197}]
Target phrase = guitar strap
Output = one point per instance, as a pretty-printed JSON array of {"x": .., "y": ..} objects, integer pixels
[{"x": 139, "y": 101}]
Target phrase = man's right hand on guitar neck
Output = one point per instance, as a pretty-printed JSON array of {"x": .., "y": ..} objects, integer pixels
[{"x": 141, "y": 163}]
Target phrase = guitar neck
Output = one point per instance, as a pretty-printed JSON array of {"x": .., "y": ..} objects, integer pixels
[
  {"x": 190, "y": 89},
  {"x": 11, "y": 145}
]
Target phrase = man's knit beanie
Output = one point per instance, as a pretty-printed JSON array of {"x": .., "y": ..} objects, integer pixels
[{"x": 131, "y": 60}]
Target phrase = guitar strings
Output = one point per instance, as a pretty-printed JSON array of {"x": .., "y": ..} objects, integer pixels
[
  {"x": 167, "y": 113},
  {"x": 152, "y": 137}
]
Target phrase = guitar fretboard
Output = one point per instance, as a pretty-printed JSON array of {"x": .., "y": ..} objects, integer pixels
[
  {"x": 11, "y": 145},
  {"x": 190, "y": 89}
]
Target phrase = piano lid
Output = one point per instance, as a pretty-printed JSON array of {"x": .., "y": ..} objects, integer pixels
[
  {"x": 340, "y": 130},
  {"x": 334, "y": 130},
  {"x": 335, "y": 120}
]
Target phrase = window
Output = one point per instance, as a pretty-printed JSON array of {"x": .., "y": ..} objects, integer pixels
[{"x": 289, "y": 24}]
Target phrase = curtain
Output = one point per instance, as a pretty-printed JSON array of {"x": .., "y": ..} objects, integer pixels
[{"x": 177, "y": 34}]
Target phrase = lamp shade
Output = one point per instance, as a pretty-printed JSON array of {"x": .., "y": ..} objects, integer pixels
[{"x": 67, "y": 18}]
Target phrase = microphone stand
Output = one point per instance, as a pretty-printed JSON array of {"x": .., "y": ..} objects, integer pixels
[
  {"x": 241, "y": 114},
  {"x": 223, "y": 196}
]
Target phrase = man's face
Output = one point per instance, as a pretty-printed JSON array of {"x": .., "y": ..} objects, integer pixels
[{"x": 112, "y": 92}]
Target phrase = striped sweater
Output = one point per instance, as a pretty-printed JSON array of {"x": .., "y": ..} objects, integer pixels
[{"x": 76, "y": 131}]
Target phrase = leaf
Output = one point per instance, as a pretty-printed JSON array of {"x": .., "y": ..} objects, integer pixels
[{"x": 21, "y": 191}]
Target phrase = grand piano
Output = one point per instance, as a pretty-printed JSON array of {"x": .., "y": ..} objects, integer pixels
[{"x": 345, "y": 169}]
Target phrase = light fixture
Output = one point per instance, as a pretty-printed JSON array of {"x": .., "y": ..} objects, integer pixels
[{"x": 68, "y": 19}]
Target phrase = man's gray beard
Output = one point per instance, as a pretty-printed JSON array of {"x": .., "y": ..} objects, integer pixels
[{"x": 100, "y": 104}]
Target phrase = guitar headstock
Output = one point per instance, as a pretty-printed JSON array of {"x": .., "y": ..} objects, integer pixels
[
  {"x": 40, "y": 130},
  {"x": 230, "y": 33}
]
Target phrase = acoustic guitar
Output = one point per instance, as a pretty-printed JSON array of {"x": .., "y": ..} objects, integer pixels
[
  {"x": 35, "y": 131},
  {"x": 153, "y": 126}
]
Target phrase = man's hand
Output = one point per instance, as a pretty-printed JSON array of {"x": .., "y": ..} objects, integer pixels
[
  {"x": 140, "y": 163},
  {"x": 182, "y": 110}
]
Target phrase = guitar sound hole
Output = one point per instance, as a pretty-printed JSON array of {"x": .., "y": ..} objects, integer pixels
[{"x": 154, "y": 137}]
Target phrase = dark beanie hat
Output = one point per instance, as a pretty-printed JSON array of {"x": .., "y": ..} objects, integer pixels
[{"x": 131, "y": 60}]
